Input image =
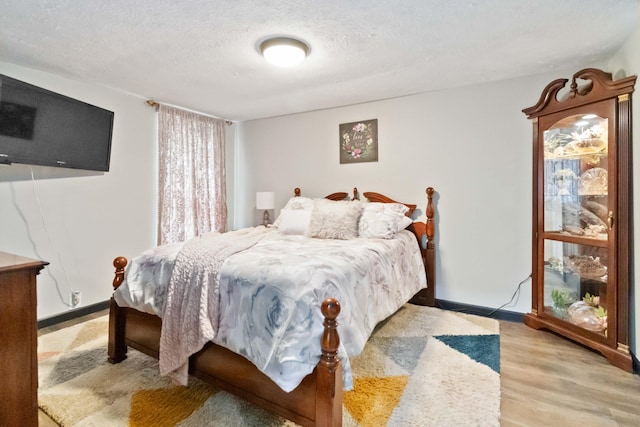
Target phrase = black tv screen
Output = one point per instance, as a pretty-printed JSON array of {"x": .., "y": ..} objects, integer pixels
[{"x": 40, "y": 127}]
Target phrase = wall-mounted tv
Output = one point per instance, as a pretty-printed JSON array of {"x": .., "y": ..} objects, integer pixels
[{"x": 40, "y": 127}]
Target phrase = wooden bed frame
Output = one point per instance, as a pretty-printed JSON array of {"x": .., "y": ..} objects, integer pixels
[{"x": 317, "y": 401}]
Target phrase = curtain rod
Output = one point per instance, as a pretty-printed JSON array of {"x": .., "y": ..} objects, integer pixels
[{"x": 156, "y": 105}]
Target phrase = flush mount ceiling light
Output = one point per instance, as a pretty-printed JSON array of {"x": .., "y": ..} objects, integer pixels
[{"x": 284, "y": 51}]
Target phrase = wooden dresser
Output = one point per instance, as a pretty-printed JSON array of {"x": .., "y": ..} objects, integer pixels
[{"x": 18, "y": 340}]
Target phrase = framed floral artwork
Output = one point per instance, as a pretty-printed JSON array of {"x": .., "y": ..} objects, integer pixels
[{"x": 359, "y": 141}]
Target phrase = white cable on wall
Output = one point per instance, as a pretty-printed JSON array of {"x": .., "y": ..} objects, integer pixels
[{"x": 46, "y": 229}]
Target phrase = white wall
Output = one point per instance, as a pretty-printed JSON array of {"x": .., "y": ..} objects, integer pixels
[
  {"x": 626, "y": 63},
  {"x": 472, "y": 144},
  {"x": 79, "y": 221}
]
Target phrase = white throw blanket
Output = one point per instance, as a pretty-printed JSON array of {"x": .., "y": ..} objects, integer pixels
[{"x": 190, "y": 317}]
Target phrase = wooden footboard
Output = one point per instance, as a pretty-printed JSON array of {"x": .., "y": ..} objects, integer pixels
[{"x": 317, "y": 401}]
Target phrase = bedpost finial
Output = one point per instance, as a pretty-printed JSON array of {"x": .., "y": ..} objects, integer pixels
[
  {"x": 355, "y": 194},
  {"x": 330, "y": 338},
  {"x": 120, "y": 262},
  {"x": 330, "y": 308},
  {"x": 430, "y": 191}
]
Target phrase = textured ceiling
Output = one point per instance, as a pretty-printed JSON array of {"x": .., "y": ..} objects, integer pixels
[{"x": 202, "y": 54}]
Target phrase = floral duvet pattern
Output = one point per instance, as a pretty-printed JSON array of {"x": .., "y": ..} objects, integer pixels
[{"x": 270, "y": 296}]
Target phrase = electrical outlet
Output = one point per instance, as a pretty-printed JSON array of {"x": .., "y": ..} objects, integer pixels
[{"x": 74, "y": 299}]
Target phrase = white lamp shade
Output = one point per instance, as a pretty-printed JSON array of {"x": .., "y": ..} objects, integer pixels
[{"x": 265, "y": 200}]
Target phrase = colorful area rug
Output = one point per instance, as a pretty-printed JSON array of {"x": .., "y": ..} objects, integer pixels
[{"x": 422, "y": 367}]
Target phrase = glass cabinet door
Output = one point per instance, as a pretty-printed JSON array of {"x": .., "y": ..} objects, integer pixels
[
  {"x": 577, "y": 220},
  {"x": 575, "y": 284}
]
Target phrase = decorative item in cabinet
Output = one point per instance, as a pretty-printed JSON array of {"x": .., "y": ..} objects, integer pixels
[
  {"x": 581, "y": 234},
  {"x": 594, "y": 181}
]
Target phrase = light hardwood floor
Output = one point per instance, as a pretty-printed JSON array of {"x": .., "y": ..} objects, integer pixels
[{"x": 546, "y": 380}]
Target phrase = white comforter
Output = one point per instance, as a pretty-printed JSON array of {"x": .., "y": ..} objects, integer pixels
[{"x": 270, "y": 295}]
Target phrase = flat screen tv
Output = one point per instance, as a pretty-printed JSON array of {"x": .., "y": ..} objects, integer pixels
[{"x": 40, "y": 127}]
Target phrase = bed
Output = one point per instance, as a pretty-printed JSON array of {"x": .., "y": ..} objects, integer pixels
[{"x": 313, "y": 397}]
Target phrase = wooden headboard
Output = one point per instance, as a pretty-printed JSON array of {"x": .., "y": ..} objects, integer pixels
[
  {"x": 377, "y": 197},
  {"x": 332, "y": 196}
]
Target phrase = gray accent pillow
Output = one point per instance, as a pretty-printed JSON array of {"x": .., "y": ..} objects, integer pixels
[{"x": 335, "y": 219}]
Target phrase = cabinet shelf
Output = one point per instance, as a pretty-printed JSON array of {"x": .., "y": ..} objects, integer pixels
[
  {"x": 579, "y": 195},
  {"x": 590, "y": 157},
  {"x": 581, "y": 242},
  {"x": 562, "y": 321}
]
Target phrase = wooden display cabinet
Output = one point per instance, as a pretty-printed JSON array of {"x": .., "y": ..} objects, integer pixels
[{"x": 582, "y": 215}]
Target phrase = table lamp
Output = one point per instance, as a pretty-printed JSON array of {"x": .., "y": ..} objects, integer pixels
[{"x": 265, "y": 200}]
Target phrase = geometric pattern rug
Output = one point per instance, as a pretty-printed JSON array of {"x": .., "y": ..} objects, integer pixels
[{"x": 421, "y": 367}]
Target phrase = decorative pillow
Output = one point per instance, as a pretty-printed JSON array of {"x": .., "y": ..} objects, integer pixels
[
  {"x": 294, "y": 221},
  {"x": 295, "y": 203},
  {"x": 335, "y": 219},
  {"x": 299, "y": 203},
  {"x": 405, "y": 222},
  {"x": 383, "y": 220}
]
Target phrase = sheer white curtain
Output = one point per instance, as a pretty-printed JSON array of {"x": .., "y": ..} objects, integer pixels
[{"x": 192, "y": 175}]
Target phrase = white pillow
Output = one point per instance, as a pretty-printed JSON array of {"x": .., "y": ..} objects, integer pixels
[
  {"x": 299, "y": 203},
  {"x": 335, "y": 219},
  {"x": 295, "y": 203},
  {"x": 294, "y": 221},
  {"x": 383, "y": 220},
  {"x": 405, "y": 222}
]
